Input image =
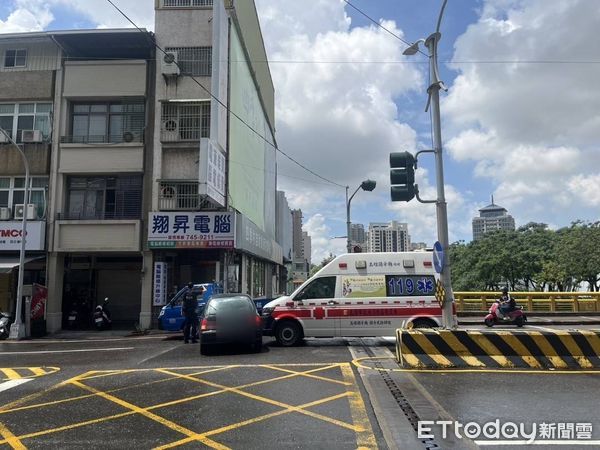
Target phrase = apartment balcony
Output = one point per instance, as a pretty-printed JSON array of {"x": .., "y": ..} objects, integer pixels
[
  {"x": 177, "y": 195},
  {"x": 102, "y": 154}
]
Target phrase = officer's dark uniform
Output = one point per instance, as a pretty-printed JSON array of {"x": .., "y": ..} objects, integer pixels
[{"x": 190, "y": 329}]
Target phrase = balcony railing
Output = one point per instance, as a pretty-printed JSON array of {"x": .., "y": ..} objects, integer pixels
[{"x": 178, "y": 195}]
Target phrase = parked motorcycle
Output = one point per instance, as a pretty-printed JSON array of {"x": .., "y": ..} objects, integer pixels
[
  {"x": 72, "y": 318},
  {"x": 101, "y": 317},
  {"x": 495, "y": 316},
  {"x": 5, "y": 321}
]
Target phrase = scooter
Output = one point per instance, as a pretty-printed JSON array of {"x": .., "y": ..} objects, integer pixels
[
  {"x": 495, "y": 316},
  {"x": 5, "y": 321},
  {"x": 102, "y": 316},
  {"x": 72, "y": 318}
]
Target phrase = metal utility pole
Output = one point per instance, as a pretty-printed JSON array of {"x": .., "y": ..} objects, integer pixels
[
  {"x": 17, "y": 329},
  {"x": 442, "y": 215}
]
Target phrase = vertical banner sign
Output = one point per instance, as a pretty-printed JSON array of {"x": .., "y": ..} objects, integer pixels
[
  {"x": 160, "y": 284},
  {"x": 38, "y": 302}
]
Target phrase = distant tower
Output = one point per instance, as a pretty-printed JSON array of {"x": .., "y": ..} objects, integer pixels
[{"x": 492, "y": 217}]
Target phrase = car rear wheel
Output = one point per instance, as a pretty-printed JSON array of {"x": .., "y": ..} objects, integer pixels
[
  {"x": 205, "y": 349},
  {"x": 288, "y": 333}
]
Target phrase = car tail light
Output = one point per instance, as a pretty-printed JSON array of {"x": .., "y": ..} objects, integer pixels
[
  {"x": 207, "y": 325},
  {"x": 258, "y": 321}
]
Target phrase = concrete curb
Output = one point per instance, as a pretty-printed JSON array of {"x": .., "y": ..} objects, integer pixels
[{"x": 429, "y": 348}]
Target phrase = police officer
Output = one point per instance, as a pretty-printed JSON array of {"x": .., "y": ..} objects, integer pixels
[{"x": 190, "y": 305}]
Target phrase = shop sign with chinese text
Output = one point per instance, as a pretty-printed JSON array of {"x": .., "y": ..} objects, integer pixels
[{"x": 201, "y": 229}]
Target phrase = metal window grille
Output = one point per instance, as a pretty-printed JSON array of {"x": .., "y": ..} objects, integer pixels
[
  {"x": 194, "y": 61},
  {"x": 183, "y": 3},
  {"x": 104, "y": 198},
  {"x": 184, "y": 121},
  {"x": 178, "y": 195}
]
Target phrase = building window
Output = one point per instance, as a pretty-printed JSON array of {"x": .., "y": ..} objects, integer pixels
[
  {"x": 194, "y": 61},
  {"x": 186, "y": 3},
  {"x": 16, "y": 117},
  {"x": 15, "y": 58},
  {"x": 104, "y": 198},
  {"x": 108, "y": 122},
  {"x": 184, "y": 121},
  {"x": 12, "y": 193}
]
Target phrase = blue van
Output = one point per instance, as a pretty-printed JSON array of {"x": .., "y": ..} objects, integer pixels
[{"x": 171, "y": 318}]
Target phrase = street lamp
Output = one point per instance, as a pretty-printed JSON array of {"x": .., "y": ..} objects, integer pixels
[
  {"x": 442, "y": 216},
  {"x": 17, "y": 329},
  {"x": 367, "y": 185}
]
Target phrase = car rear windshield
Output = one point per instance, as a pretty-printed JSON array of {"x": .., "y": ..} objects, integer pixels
[{"x": 229, "y": 304}]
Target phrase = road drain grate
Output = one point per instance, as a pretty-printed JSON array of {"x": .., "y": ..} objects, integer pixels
[{"x": 407, "y": 409}]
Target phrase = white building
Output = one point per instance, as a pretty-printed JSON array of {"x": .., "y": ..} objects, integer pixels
[{"x": 388, "y": 237}]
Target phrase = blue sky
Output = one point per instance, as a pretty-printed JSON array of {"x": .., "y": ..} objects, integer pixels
[{"x": 520, "y": 120}]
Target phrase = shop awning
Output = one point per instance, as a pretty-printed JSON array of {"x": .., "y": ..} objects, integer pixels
[{"x": 8, "y": 263}]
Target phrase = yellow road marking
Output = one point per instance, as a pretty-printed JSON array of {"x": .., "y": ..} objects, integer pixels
[
  {"x": 266, "y": 400},
  {"x": 81, "y": 397},
  {"x": 10, "y": 438},
  {"x": 191, "y": 436},
  {"x": 358, "y": 362},
  {"x": 308, "y": 374},
  {"x": 253, "y": 420},
  {"x": 74, "y": 425},
  {"x": 10, "y": 374},
  {"x": 161, "y": 420},
  {"x": 365, "y": 439},
  {"x": 15, "y": 373}
]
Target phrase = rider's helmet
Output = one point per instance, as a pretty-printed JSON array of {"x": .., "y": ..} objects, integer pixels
[
  {"x": 190, "y": 285},
  {"x": 504, "y": 290}
]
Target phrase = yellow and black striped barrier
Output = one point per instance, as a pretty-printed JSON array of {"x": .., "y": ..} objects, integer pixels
[
  {"x": 16, "y": 373},
  {"x": 429, "y": 348}
]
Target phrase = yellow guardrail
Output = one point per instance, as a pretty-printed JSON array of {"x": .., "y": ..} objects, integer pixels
[{"x": 532, "y": 301}]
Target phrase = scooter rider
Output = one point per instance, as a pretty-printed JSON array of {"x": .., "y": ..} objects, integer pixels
[{"x": 507, "y": 303}]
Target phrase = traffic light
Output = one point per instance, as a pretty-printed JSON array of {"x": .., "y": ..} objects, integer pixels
[{"x": 402, "y": 176}]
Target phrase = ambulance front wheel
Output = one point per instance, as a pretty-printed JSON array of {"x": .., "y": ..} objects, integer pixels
[{"x": 288, "y": 333}]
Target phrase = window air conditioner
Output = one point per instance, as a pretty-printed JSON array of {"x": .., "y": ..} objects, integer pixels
[
  {"x": 31, "y": 211},
  {"x": 170, "y": 130},
  {"x": 31, "y": 136},
  {"x": 5, "y": 213},
  {"x": 169, "y": 64}
]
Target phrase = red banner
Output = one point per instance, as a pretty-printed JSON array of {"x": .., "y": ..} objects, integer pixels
[{"x": 38, "y": 302}]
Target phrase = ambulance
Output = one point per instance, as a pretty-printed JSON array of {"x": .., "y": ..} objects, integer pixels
[{"x": 358, "y": 295}]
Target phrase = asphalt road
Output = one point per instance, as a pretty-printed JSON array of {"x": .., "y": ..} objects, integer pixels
[{"x": 156, "y": 392}]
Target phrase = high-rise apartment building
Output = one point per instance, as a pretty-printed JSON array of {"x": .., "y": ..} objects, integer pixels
[
  {"x": 306, "y": 247},
  {"x": 491, "y": 218},
  {"x": 388, "y": 237}
]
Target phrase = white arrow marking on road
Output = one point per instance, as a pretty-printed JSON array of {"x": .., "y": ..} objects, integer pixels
[
  {"x": 89, "y": 350},
  {"x": 13, "y": 383}
]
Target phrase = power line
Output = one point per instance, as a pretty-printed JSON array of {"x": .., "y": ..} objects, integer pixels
[
  {"x": 381, "y": 26},
  {"x": 227, "y": 107}
]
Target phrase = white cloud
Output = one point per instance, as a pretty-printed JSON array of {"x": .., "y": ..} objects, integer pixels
[
  {"x": 530, "y": 122},
  {"x": 36, "y": 15},
  {"x": 321, "y": 238}
]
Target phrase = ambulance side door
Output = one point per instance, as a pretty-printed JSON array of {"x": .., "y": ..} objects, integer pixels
[{"x": 318, "y": 297}]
